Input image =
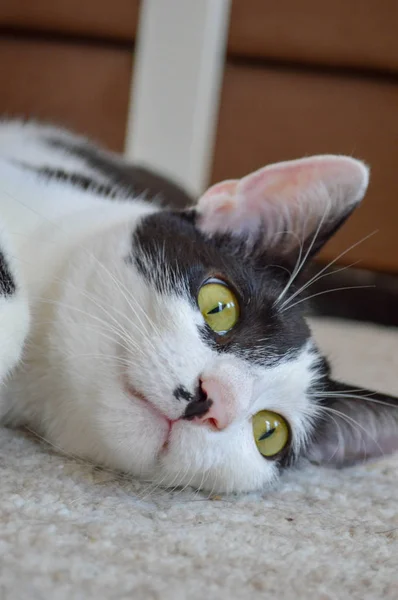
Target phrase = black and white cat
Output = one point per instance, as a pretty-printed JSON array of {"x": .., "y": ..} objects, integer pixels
[{"x": 171, "y": 343}]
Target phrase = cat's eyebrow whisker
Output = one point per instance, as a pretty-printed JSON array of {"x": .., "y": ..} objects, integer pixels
[
  {"x": 340, "y": 392},
  {"x": 338, "y": 289},
  {"x": 331, "y": 263},
  {"x": 317, "y": 278},
  {"x": 342, "y": 395},
  {"x": 301, "y": 261},
  {"x": 295, "y": 269}
]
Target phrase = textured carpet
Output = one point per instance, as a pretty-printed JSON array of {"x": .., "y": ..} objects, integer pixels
[{"x": 69, "y": 531}]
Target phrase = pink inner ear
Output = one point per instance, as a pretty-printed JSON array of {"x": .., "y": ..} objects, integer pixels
[
  {"x": 224, "y": 188},
  {"x": 291, "y": 196}
]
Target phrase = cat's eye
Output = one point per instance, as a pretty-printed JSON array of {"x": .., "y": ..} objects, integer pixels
[
  {"x": 271, "y": 433},
  {"x": 218, "y": 305}
]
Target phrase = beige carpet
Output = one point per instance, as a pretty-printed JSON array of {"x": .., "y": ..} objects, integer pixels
[{"x": 68, "y": 531}]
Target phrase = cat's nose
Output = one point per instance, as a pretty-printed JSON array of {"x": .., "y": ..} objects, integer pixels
[{"x": 213, "y": 405}]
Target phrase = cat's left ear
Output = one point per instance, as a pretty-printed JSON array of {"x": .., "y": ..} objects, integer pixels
[
  {"x": 354, "y": 425},
  {"x": 287, "y": 205}
]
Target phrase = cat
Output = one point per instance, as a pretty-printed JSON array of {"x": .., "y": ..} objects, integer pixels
[{"x": 168, "y": 339}]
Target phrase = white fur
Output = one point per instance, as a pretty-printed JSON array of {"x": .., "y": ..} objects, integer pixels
[{"x": 97, "y": 324}]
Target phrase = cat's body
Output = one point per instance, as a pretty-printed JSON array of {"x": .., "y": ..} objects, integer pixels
[{"x": 119, "y": 365}]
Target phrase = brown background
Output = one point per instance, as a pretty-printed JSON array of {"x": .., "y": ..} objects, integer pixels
[{"x": 301, "y": 78}]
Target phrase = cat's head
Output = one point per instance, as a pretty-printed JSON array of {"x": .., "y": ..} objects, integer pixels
[{"x": 190, "y": 361}]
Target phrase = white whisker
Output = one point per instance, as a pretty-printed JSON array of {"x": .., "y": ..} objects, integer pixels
[
  {"x": 302, "y": 261},
  {"x": 342, "y": 396},
  {"x": 332, "y": 262},
  {"x": 339, "y": 289}
]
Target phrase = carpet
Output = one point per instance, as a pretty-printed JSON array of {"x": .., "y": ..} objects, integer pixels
[{"x": 71, "y": 531}]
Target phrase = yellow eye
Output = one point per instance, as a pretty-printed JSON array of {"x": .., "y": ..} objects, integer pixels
[
  {"x": 271, "y": 432},
  {"x": 219, "y": 306}
]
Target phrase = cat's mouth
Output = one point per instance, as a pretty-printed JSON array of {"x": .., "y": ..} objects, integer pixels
[{"x": 137, "y": 395}]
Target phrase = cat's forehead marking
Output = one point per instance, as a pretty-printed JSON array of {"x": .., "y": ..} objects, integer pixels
[{"x": 175, "y": 258}]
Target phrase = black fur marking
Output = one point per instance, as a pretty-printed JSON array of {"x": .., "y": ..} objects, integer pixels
[
  {"x": 7, "y": 283},
  {"x": 76, "y": 179},
  {"x": 181, "y": 393},
  {"x": 175, "y": 257},
  {"x": 132, "y": 180}
]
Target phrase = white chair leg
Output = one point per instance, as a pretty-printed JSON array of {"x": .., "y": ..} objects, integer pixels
[{"x": 179, "y": 63}]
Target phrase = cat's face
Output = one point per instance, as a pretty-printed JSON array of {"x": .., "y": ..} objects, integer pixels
[
  {"x": 173, "y": 398},
  {"x": 189, "y": 359}
]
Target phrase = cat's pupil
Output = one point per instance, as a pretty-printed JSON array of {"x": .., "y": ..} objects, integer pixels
[
  {"x": 217, "y": 309},
  {"x": 266, "y": 435}
]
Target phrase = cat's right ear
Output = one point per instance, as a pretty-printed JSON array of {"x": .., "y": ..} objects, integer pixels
[{"x": 286, "y": 206}]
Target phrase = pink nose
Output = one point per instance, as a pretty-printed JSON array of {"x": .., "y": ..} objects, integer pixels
[{"x": 222, "y": 411}]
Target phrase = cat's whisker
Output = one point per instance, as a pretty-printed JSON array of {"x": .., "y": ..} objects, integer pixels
[
  {"x": 181, "y": 479},
  {"x": 101, "y": 357},
  {"x": 59, "y": 228},
  {"x": 367, "y": 398},
  {"x": 320, "y": 275},
  {"x": 129, "y": 297},
  {"x": 353, "y": 422},
  {"x": 340, "y": 437},
  {"x": 100, "y": 331},
  {"x": 157, "y": 484},
  {"x": 295, "y": 269},
  {"x": 331, "y": 263},
  {"x": 186, "y": 486},
  {"x": 194, "y": 473},
  {"x": 107, "y": 326},
  {"x": 205, "y": 477},
  {"x": 105, "y": 309},
  {"x": 80, "y": 461},
  {"x": 340, "y": 392},
  {"x": 90, "y": 297},
  {"x": 213, "y": 487},
  {"x": 301, "y": 261},
  {"x": 338, "y": 289}
]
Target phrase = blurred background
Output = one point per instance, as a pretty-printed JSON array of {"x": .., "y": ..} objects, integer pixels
[{"x": 292, "y": 79}]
